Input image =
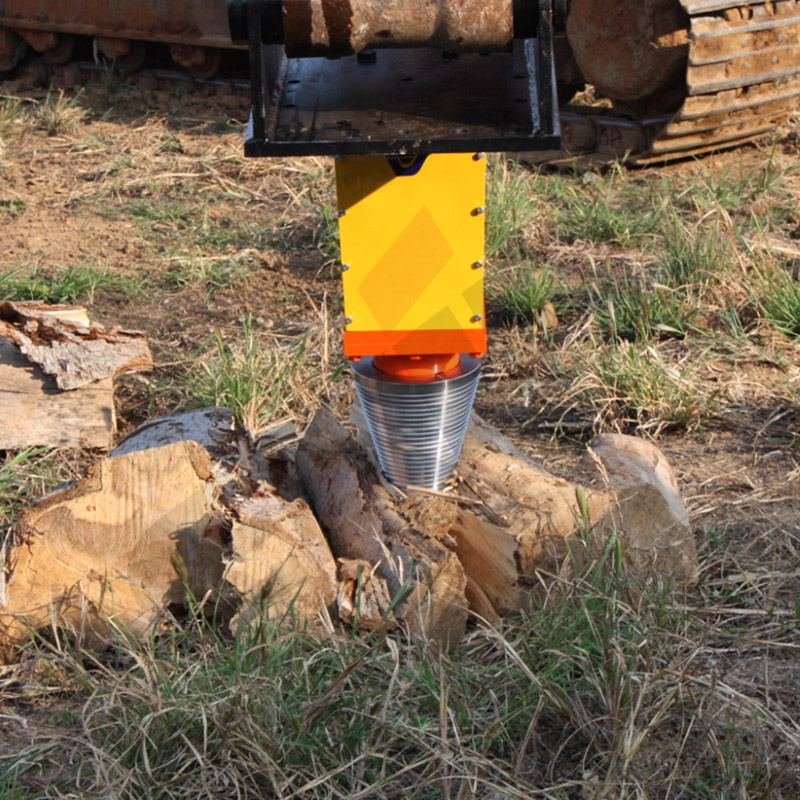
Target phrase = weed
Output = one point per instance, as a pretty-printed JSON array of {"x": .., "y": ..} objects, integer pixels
[
  {"x": 524, "y": 290},
  {"x": 629, "y": 385},
  {"x": 693, "y": 257},
  {"x": 23, "y": 476},
  {"x": 11, "y": 115},
  {"x": 259, "y": 378},
  {"x": 14, "y": 206},
  {"x": 510, "y": 207},
  {"x": 636, "y": 310},
  {"x": 59, "y": 115},
  {"x": 608, "y": 209},
  {"x": 212, "y": 273},
  {"x": 780, "y": 300}
]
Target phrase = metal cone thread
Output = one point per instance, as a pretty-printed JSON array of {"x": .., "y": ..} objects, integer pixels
[{"x": 417, "y": 429}]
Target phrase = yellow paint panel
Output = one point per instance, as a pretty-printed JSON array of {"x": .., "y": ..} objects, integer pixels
[{"x": 411, "y": 242}]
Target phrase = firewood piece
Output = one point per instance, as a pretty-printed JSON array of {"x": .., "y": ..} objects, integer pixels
[
  {"x": 648, "y": 512},
  {"x": 365, "y": 523},
  {"x": 180, "y": 504},
  {"x": 75, "y": 354},
  {"x": 106, "y": 548},
  {"x": 534, "y": 517},
  {"x": 279, "y": 560},
  {"x": 532, "y": 525},
  {"x": 33, "y": 411}
]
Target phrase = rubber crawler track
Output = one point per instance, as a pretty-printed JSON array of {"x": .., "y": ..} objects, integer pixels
[{"x": 742, "y": 81}]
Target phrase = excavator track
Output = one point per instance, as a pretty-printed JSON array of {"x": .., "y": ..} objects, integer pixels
[{"x": 742, "y": 82}]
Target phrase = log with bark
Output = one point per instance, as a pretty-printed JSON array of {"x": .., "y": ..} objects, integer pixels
[
  {"x": 189, "y": 511},
  {"x": 180, "y": 514}
]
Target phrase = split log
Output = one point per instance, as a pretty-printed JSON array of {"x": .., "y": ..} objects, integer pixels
[
  {"x": 178, "y": 510},
  {"x": 518, "y": 529},
  {"x": 33, "y": 409},
  {"x": 191, "y": 505},
  {"x": 530, "y": 526},
  {"x": 393, "y": 564}
]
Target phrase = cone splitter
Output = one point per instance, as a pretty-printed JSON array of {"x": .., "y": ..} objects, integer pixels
[{"x": 409, "y": 126}]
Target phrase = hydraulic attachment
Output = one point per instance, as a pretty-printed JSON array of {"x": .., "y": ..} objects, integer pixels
[{"x": 409, "y": 102}]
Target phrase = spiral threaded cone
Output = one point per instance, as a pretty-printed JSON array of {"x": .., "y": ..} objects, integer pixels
[{"x": 417, "y": 429}]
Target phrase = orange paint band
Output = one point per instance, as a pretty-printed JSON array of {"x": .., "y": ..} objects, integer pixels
[{"x": 414, "y": 343}]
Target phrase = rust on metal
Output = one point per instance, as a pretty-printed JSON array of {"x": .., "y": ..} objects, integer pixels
[
  {"x": 341, "y": 27},
  {"x": 297, "y": 26},
  {"x": 338, "y": 16},
  {"x": 176, "y": 21}
]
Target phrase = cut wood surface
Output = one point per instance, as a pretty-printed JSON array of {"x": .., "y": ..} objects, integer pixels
[
  {"x": 192, "y": 504},
  {"x": 33, "y": 411},
  {"x": 148, "y": 524}
]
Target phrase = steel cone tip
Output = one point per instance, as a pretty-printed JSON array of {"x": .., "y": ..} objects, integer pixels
[{"x": 417, "y": 429}]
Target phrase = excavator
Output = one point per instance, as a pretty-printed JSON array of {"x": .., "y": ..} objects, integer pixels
[{"x": 684, "y": 77}]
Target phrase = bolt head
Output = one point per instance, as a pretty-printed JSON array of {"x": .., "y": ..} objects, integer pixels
[
  {"x": 476, "y": 318},
  {"x": 345, "y": 267},
  {"x": 477, "y": 264},
  {"x": 348, "y": 320}
]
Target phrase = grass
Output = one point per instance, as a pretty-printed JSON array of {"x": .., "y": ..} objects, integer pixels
[
  {"x": 635, "y": 309},
  {"x": 607, "y": 209},
  {"x": 635, "y": 387},
  {"x": 525, "y": 291},
  {"x": 59, "y": 115},
  {"x": 65, "y": 284},
  {"x": 24, "y": 475},
  {"x": 780, "y": 300},
  {"x": 213, "y": 273},
  {"x": 261, "y": 378},
  {"x": 508, "y": 209},
  {"x": 599, "y": 690},
  {"x": 11, "y": 113}
]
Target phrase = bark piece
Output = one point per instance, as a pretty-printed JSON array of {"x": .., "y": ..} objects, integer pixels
[
  {"x": 73, "y": 352},
  {"x": 367, "y": 525},
  {"x": 33, "y": 411}
]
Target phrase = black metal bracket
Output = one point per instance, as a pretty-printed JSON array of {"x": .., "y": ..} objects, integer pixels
[
  {"x": 560, "y": 13},
  {"x": 403, "y": 100}
]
